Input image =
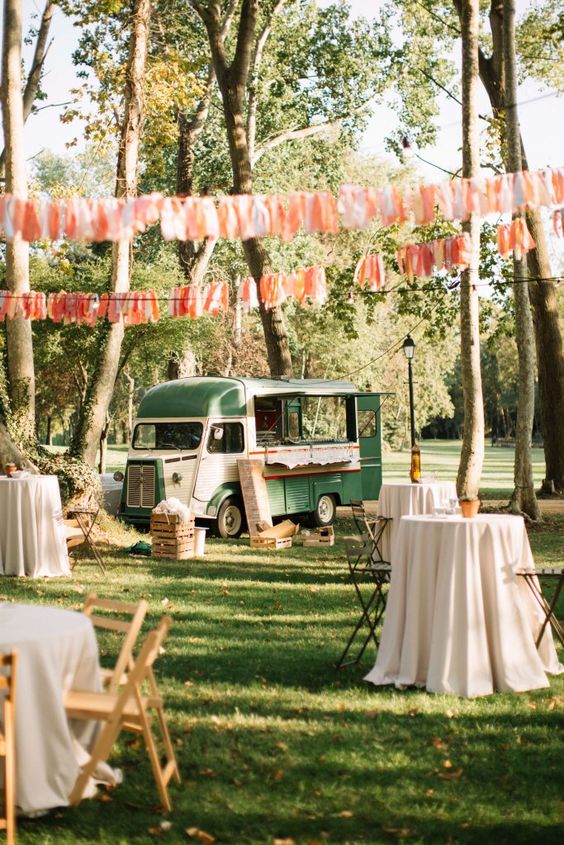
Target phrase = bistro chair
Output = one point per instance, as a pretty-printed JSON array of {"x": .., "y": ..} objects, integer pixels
[
  {"x": 366, "y": 570},
  {"x": 370, "y": 529},
  {"x": 548, "y": 608},
  {"x": 7, "y": 743},
  {"x": 122, "y": 618},
  {"x": 131, "y": 709},
  {"x": 83, "y": 520}
]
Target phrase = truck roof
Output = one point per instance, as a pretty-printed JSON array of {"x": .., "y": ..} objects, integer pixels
[{"x": 211, "y": 396}]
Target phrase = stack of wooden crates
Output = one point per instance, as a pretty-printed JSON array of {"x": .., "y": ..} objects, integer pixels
[{"x": 171, "y": 537}]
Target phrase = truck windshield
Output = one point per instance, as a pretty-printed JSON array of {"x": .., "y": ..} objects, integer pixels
[{"x": 168, "y": 435}]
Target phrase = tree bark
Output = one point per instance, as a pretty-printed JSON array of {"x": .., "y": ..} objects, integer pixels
[
  {"x": 523, "y": 499},
  {"x": 232, "y": 81},
  {"x": 472, "y": 455},
  {"x": 93, "y": 418},
  {"x": 19, "y": 345},
  {"x": 36, "y": 70},
  {"x": 548, "y": 336}
]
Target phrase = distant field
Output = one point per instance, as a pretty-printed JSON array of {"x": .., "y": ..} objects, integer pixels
[{"x": 438, "y": 457}]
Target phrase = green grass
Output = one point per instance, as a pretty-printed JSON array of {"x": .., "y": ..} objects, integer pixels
[
  {"x": 274, "y": 743},
  {"x": 442, "y": 457}
]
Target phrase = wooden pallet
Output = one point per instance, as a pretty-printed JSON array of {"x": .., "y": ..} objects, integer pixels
[{"x": 271, "y": 543}]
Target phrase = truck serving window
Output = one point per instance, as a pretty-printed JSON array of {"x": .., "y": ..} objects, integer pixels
[{"x": 177, "y": 436}]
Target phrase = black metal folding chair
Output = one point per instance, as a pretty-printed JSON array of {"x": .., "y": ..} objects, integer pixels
[
  {"x": 86, "y": 519},
  {"x": 370, "y": 576},
  {"x": 370, "y": 529},
  {"x": 531, "y": 577}
]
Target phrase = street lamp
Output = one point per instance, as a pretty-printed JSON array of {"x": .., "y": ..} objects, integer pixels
[{"x": 409, "y": 352}]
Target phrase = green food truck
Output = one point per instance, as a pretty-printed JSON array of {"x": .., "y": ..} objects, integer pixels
[{"x": 319, "y": 443}]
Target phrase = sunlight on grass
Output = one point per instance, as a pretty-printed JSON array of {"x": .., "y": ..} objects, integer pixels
[{"x": 274, "y": 743}]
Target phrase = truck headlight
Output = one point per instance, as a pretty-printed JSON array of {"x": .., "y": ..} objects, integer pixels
[{"x": 118, "y": 476}]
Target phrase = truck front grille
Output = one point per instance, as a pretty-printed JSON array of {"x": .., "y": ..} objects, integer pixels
[{"x": 141, "y": 486}]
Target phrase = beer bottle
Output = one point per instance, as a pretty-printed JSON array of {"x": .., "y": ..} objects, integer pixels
[{"x": 415, "y": 472}]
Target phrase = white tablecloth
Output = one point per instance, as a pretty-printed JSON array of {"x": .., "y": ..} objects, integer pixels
[
  {"x": 57, "y": 650},
  {"x": 402, "y": 498},
  {"x": 32, "y": 533},
  {"x": 458, "y": 619}
]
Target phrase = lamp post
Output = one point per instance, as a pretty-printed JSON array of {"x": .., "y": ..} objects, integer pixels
[{"x": 409, "y": 352}]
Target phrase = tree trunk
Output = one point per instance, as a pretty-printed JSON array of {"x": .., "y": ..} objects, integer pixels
[
  {"x": 548, "y": 336},
  {"x": 523, "y": 498},
  {"x": 232, "y": 81},
  {"x": 19, "y": 346},
  {"x": 36, "y": 70},
  {"x": 472, "y": 455},
  {"x": 93, "y": 417}
]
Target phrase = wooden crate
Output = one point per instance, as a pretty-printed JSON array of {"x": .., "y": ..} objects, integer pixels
[
  {"x": 322, "y": 537},
  {"x": 271, "y": 543},
  {"x": 171, "y": 537}
]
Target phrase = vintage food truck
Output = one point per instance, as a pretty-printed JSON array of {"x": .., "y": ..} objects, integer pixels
[{"x": 319, "y": 443}]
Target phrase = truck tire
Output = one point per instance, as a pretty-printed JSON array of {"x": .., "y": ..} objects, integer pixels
[
  {"x": 325, "y": 510},
  {"x": 231, "y": 518}
]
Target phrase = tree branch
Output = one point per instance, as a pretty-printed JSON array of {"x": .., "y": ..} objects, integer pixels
[
  {"x": 293, "y": 135},
  {"x": 239, "y": 68},
  {"x": 253, "y": 87}
]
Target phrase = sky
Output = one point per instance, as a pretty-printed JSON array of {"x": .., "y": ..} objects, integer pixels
[{"x": 539, "y": 109}]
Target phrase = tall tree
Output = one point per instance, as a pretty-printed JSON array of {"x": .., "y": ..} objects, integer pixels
[
  {"x": 232, "y": 78},
  {"x": 21, "y": 376},
  {"x": 472, "y": 455},
  {"x": 32, "y": 85},
  {"x": 523, "y": 498},
  {"x": 93, "y": 421}
]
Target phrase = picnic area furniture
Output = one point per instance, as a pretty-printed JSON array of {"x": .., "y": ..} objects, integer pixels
[
  {"x": 131, "y": 708},
  {"x": 547, "y": 606},
  {"x": 458, "y": 619},
  {"x": 8, "y": 663},
  {"x": 32, "y": 533},
  {"x": 405, "y": 498},
  {"x": 56, "y": 649},
  {"x": 85, "y": 520}
]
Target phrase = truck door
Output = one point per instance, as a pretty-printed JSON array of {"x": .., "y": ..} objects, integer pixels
[{"x": 370, "y": 443}]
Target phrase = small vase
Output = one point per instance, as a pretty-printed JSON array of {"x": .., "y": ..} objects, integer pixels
[{"x": 470, "y": 509}]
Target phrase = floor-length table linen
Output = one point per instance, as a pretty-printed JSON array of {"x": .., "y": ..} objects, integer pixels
[
  {"x": 57, "y": 651},
  {"x": 32, "y": 533},
  {"x": 404, "y": 498},
  {"x": 458, "y": 619}
]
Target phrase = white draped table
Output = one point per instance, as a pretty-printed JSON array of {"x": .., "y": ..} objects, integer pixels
[
  {"x": 458, "y": 619},
  {"x": 32, "y": 533},
  {"x": 57, "y": 650},
  {"x": 403, "y": 498}
]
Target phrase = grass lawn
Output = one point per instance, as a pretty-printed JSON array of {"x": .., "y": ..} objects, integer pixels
[
  {"x": 438, "y": 457},
  {"x": 275, "y": 744}
]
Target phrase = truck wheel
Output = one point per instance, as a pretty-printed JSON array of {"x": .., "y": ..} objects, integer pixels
[
  {"x": 325, "y": 510},
  {"x": 230, "y": 519}
]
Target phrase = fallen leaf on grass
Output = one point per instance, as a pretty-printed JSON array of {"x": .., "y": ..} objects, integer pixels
[
  {"x": 314, "y": 842},
  {"x": 454, "y": 774},
  {"x": 346, "y": 814},
  {"x": 429, "y": 792},
  {"x": 314, "y": 589},
  {"x": 207, "y": 773},
  {"x": 200, "y": 835},
  {"x": 447, "y": 764},
  {"x": 399, "y": 831},
  {"x": 439, "y": 743},
  {"x": 105, "y": 797},
  {"x": 281, "y": 745},
  {"x": 165, "y": 602},
  {"x": 278, "y": 775},
  {"x": 413, "y": 711},
  {"x": 283, "y": 842},
  {"x": 371, "y": 714}
]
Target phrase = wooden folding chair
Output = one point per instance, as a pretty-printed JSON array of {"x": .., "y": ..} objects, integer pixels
[
  {"x": 131, "y": 710},
  {"x": 548, "y": 608},
  {"x": 365, "y": 569},
  {"x": 83, "y": 519},
  {"x": 126, "y": 619},
  {"x": 7, "y": 743}
]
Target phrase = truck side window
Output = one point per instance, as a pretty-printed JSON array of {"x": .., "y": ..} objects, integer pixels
[{"x": 226, "y": 438}]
